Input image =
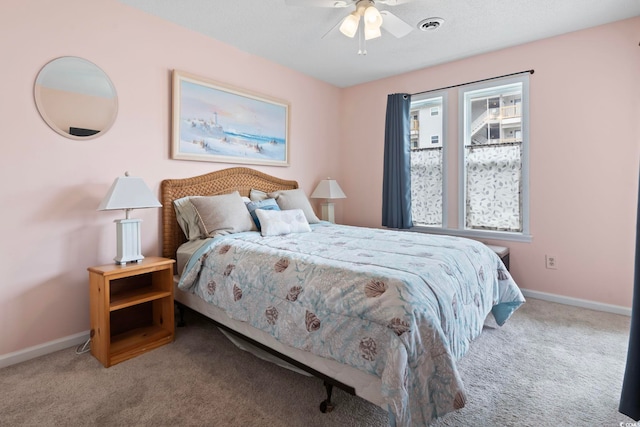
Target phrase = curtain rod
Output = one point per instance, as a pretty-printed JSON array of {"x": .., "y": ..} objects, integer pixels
[{"x": 476, "y": 81}]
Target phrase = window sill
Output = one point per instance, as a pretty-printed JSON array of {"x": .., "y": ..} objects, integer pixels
[{"x": 477, "y": 234}]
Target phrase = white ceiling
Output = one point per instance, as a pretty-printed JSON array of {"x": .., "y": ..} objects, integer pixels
[{"x": 293, "y": 35}]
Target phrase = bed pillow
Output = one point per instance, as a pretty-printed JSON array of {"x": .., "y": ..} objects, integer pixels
[
  {"x": 267, "y": 204},
  {"x": 295, "y": 199},
  {"x": 223, "y": 214},
  {"x": 187, "y": 217},
  {"x": 257, "y": 195},
  {"x": 276, "y": 223}
]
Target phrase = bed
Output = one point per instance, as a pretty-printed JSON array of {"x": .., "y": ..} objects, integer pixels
[{"x": 382, "y": 314}]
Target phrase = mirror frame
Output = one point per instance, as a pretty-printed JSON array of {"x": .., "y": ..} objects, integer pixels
[{"x": 42, "y": 108}]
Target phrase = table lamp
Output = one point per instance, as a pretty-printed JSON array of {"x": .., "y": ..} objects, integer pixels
[
  {"x": 328, "y": 189},
  {"x": 127, "y": 193}
]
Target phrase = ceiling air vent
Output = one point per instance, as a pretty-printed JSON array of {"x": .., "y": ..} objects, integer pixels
[{"x": 430, "y": 24}]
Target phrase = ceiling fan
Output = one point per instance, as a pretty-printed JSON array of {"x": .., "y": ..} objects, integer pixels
[{"x": 365, "y": 11}]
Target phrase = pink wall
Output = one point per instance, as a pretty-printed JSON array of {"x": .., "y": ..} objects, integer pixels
[
  {"x": 585, "y": 145},
  {"x": 52, "y": 186},
  {"x": 584, "y": 165}
]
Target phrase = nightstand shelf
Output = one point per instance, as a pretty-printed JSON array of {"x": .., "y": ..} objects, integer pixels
[
  {"x": 137, "y": 341},
  {"x": 131, "y": 308},
  {"x": 127, "y": 299}
]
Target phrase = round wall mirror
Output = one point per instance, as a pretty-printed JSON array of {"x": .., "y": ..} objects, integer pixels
[{"x": 76, "y": 98}]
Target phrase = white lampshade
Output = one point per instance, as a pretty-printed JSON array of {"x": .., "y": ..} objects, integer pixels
[
  {"x": 349, "y": 25},
  {"x": 127, "y": 193},
  {"x": 328, "y": 189}
]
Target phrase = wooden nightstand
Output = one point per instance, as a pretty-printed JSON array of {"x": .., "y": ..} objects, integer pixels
[
  {"x": 503, "y": 253},
  {"x": 131, "y": 308}
]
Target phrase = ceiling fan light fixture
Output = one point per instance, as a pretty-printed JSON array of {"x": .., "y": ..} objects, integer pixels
[
  {"x": 372, "y": 17},
  {"x": 371, "y": 31},
  {"x": 349, "y": 25}
]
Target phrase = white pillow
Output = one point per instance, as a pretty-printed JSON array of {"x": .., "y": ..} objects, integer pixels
[
  {"x": 276, "y": 223},
  {"x": 295, "y": 199},
  {"x": 223, "y": 214}
]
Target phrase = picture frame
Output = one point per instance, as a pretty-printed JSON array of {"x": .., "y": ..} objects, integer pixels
[{"x": 215, "y": 122}]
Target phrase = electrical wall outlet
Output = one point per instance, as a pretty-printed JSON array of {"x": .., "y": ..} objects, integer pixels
[{"x": 551, "y": 262}]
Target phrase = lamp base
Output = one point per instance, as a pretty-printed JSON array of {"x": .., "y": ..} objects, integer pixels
[
  {"x": 327, "y": 212},
  {"x": 128, "y": 241}
]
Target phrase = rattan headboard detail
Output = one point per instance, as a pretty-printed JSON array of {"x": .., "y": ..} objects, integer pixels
[{"x": 219, "y": 182}]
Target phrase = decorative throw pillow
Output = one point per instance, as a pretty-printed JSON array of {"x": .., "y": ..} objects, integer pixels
[
  {"x": 223, "y": 214},
  {"x": 267, "y": 204},
  {"x": 276, "y": 223},
  {"x": 187, "y": 217},
  {"x": 295, "y": 199}
]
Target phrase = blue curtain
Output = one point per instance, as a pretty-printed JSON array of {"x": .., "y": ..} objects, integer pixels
[
  {"x": 396, "y": 179},
  {"x": 630, "y": 399}
]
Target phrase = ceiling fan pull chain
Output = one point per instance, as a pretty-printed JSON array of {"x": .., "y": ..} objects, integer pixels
[
  {"x": 362, "y": 42},
  {"x": 359, "y": 41}
]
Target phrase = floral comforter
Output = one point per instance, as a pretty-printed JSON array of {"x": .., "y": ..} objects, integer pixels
[{"x": 399, "y": 305}]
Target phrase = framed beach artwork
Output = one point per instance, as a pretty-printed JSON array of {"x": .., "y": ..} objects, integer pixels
[{"x": 213, "y": 122}]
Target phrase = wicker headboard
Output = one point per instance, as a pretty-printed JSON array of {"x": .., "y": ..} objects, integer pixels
[{"x": 219, "y": 182}]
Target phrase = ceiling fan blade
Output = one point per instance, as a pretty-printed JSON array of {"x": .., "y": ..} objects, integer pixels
[
  {"x": 394, "y": 25},
  {"x": 320, "y": 3},
  {"x": 333, "y": 28}
]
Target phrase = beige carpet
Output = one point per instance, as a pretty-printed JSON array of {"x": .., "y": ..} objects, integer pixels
[{"x": 550, "y": 365}]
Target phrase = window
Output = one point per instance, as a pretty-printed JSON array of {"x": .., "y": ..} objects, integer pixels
[
  {"x": 427, "y": 160},
  {"x": 491, "y": 198},
  {"x": 493, "y": 170}
]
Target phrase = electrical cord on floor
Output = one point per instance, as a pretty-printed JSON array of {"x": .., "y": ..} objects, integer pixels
[{"x": 84, "y": 348}]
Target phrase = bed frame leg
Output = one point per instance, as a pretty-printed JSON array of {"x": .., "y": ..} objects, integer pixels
[
  {"x": 326, "y": 405},
  {"x": 181, "y": 322}
]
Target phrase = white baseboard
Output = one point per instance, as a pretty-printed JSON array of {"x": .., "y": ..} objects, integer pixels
[
  {"x": 80, "y": 338},
  {"x": 42, "y": 349},
  {"x": 598, "y": 306}
]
